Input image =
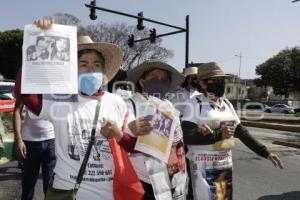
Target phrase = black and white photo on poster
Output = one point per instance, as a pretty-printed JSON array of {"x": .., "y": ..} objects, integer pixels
[
  {"x": 49, "y": 60},
  {"x": 45, "y": 48}
]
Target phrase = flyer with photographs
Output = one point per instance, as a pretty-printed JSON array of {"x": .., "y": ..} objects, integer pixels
[
  {"x": 49, "y": 60},
  {"x": 211, "y": 174},
  {"x": 158, "y": 143}
]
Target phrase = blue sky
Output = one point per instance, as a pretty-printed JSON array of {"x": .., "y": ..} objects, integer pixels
[{"x": 219, "y": 29}]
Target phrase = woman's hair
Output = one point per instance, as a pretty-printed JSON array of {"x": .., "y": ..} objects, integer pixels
[
  {"x": 99, "y": 54},
  {"x": 138, "y": 87},
  {"x": 120, "y": 76},
  {"x": 185, "y": 82}
]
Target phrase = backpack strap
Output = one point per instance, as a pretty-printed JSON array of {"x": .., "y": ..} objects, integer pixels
[
  {"x": 200, "y": 104},
  {"x": 132, "y": 105},
  {"x": 229, "y": 105}
]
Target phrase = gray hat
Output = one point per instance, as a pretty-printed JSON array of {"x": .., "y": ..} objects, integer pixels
[
  {"x": 210, "y": 70},
  {"x": 135, "y": 74}
]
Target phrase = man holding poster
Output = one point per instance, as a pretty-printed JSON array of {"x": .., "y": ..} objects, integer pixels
[{"x": 87, "y": 125}]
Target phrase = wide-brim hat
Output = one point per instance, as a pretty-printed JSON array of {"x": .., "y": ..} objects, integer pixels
[
  {"x": 190, "y": 71},
  {"x": 210, "y": 70},
  {"x": 135, "y": 74},
  {"x": 113, "y": 55}
]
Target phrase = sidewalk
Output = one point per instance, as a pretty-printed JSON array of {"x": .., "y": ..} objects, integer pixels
[
  {"x": 10, "y": 183},
  {"x": 272, "y": 125},
  {"x": 276, "y": 126}
]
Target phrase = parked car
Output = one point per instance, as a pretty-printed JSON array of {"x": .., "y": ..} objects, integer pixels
[
  {"x": 5, "y": 97},
  {"x": 6, "y": 89},
  {"x": 6, "y": 86},
  {"x": 280, "y": 108},
  {"x": 255, "y": 106}
]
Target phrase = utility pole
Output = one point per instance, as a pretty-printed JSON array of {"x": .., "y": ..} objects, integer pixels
[
  {"x": 239, "y": 78},
  {"x": 140, "y": 26}
]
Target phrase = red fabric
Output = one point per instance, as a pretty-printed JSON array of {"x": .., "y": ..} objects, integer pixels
[
  {"x": 127, "y": 142},
  {"x": 127, "y": 185},
  {"x": 32, "y": 101}
]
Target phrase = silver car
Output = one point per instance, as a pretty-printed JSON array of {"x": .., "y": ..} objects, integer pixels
[{"x": 280, "y": 108}]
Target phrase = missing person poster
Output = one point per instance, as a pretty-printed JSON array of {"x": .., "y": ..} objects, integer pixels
[
  {"x": 211, "y": 174},
  {"x": 158, "y": 143},
  {"x": 49, "y": 60}
]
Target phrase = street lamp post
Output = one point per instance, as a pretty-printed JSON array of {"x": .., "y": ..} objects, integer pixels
[{"x": 239, "y": 78}]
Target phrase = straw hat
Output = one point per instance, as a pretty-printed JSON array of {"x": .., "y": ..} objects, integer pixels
[
  {"x": 210, "y": 70},
  {"x": 190, "y": 71},
  {"x": 135, "y": 74},
  {"x": 112, "y": 54}
]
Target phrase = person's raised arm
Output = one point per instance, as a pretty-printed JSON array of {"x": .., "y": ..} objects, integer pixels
[{"x": 32, "y": 101}]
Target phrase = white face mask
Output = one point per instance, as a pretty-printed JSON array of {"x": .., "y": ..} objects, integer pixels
[{"x": 124, "y": 93}]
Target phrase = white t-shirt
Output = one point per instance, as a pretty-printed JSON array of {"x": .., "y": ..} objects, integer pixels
[
  {"x": 138, "y": 159},
  {"x": 36, "y": 130},
  {"x": 72, "y": 120}
]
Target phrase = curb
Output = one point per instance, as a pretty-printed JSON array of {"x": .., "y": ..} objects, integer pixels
[
  {"x": 282, "y": 127},
  {"x": 288, "y": 144}
]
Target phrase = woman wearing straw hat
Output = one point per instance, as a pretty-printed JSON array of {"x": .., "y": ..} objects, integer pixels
[
  {"x": 156, "y": 78},
  {"x": 187, "y": 90},
  {"x": 89, "y": 122},
  {"x": 209, "y": 124}
]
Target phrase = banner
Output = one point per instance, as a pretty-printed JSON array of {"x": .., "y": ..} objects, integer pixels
[{"x": 7, "y": 105}]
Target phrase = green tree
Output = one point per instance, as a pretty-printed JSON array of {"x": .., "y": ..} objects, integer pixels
[
  {"x": 66, "y": 19},
  {"x": 10, "y": 52},
  {"x": 282, "y": 72}
]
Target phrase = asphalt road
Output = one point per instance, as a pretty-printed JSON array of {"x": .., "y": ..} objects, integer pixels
[{"x": 255, "y": 178}]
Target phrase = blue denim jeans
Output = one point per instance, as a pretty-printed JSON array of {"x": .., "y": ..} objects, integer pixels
[{"x": 40, "y": 153}]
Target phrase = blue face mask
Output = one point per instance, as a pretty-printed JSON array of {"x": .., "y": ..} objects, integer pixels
[{"x": 90, "y": 83}]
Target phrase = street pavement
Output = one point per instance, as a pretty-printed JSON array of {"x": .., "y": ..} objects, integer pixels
[
  {"x": 255, "y": 178},
  {"x": 10, "y": 183}
]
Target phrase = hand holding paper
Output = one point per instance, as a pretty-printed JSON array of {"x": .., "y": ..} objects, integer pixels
[
  {"x": 141, "y": 126},
  {"x": 44, "y": 23}
]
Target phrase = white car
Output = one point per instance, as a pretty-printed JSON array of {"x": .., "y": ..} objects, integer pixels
[
  {"x": 280, "y": 108},
  {"x": 7, "y": 88}
]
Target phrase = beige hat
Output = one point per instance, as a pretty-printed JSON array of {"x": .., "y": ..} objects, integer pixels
[
  {"x": 190, "y": 71},
  {"x": 135, "y": 74},
  {"x": 210, "y": 70},
  {"x": 112, "y": 54}
]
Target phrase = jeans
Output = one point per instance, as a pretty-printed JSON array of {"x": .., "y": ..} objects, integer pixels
[{"x": 38, "y": 153}]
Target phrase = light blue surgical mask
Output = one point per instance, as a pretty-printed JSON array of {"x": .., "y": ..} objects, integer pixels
[{"x": 90, "y": 83}]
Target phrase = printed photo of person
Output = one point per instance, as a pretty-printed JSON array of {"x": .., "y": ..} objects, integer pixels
[
  {"x": 39, "y": 51},
  {"x": 161, "y": 124},
  {"x": 165, "y": 125},
  {"x": 156, "y": 119},
  {"x": 61, "y": 49},
  {"x": 220, "y": 183}
]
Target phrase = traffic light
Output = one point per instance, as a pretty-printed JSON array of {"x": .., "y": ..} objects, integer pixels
[
  {"x": 140, "y": 26},
  {"x": 93, "y": 15},
  {"x": 130, "y": 40},
  {"x": 152, "y": 35}
]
